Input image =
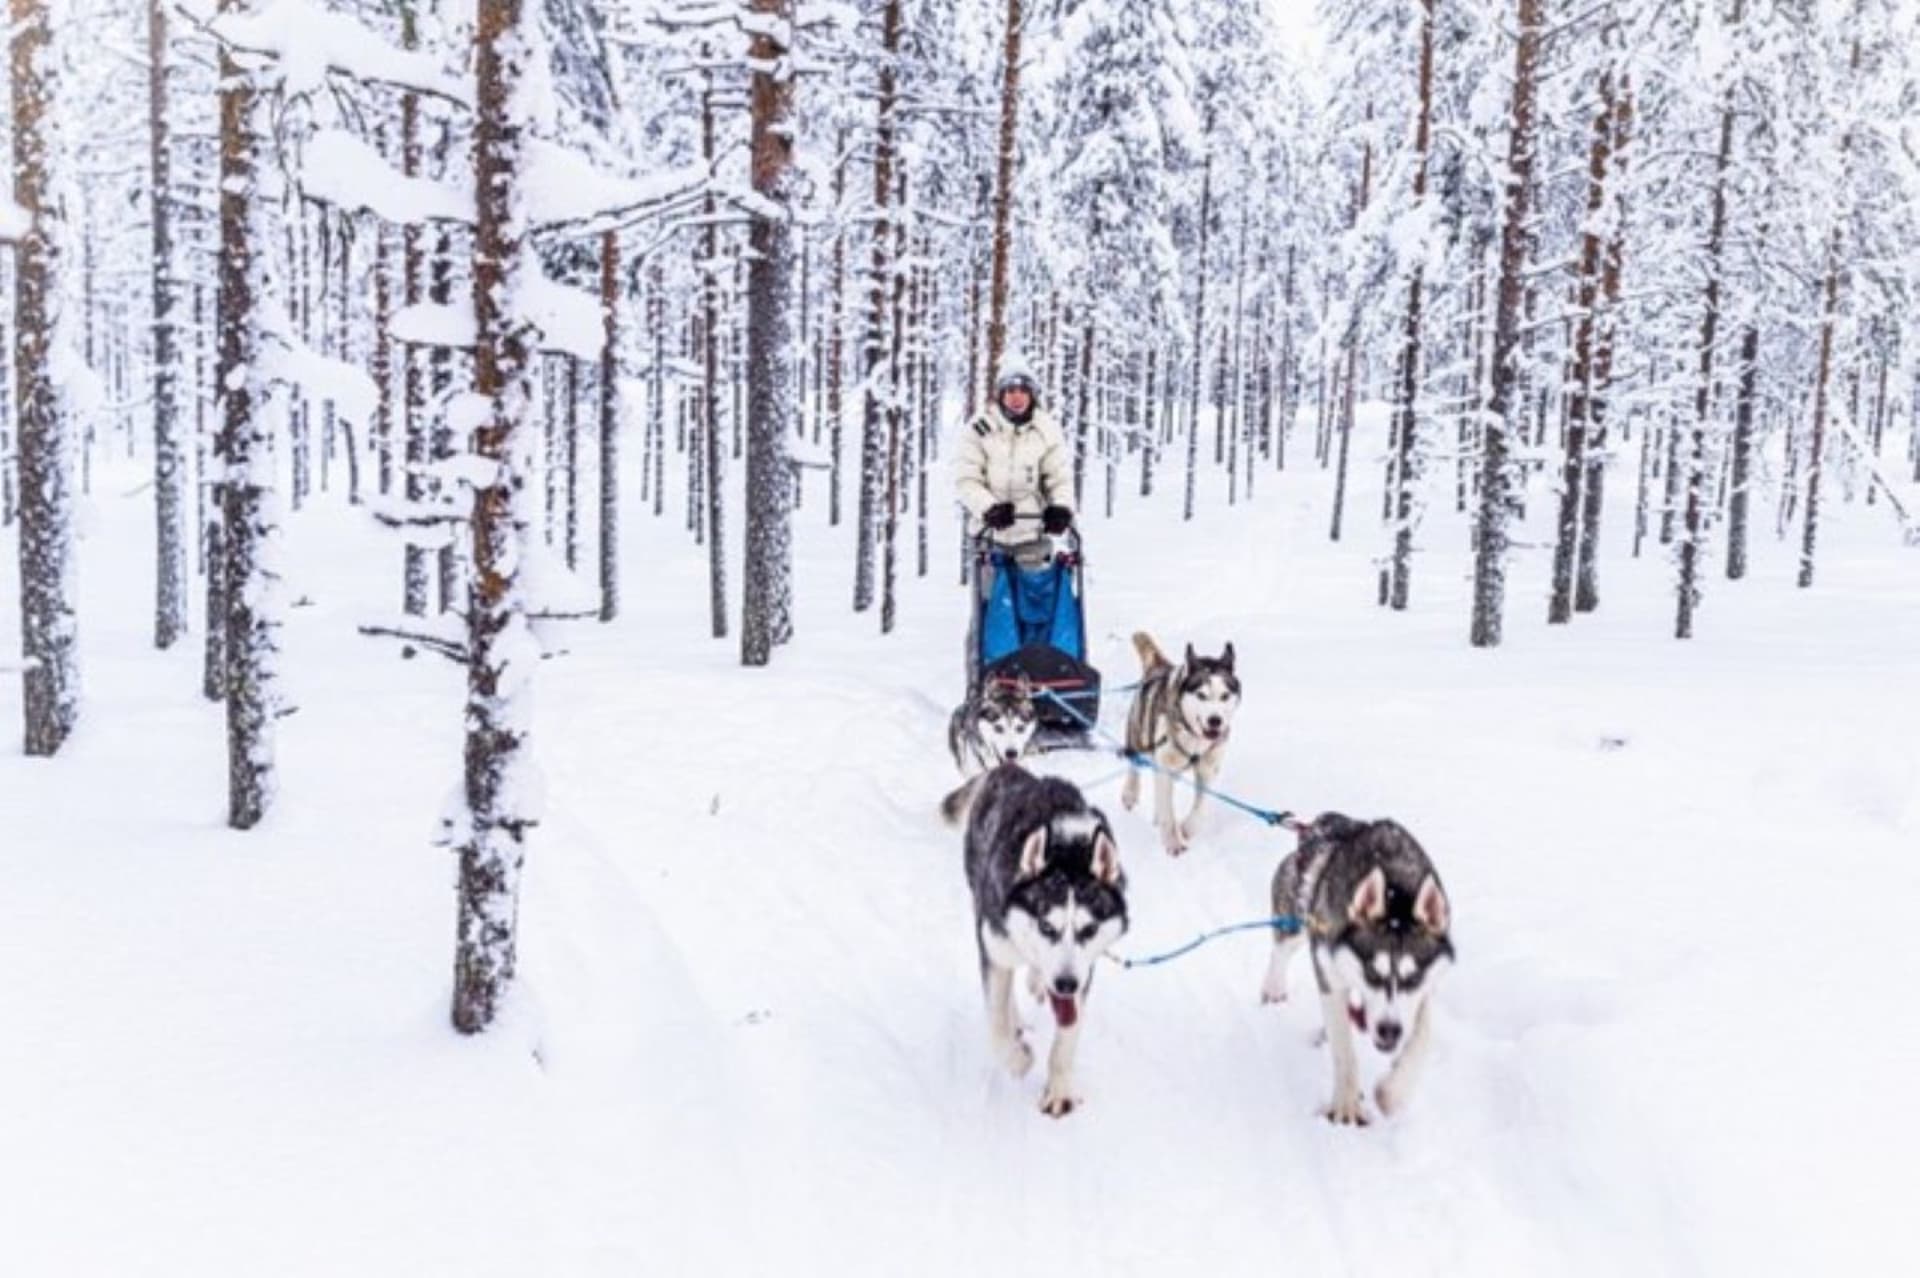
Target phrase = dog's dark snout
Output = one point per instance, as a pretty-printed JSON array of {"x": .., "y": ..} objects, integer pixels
[
  {"x": 1012, "y": 755},
  {"x": 1387, "y": 1035},
  {"x": 1066, "y": 985},
  {"x": 1213, "y": 722}
]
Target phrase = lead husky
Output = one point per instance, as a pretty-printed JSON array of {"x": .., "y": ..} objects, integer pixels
[
  {"x": 1049, "y": 896},
  {"x": 1368, "y": 898},
  {"x": 1180, "y": 719},
  {"x": 993, "y": 726}
]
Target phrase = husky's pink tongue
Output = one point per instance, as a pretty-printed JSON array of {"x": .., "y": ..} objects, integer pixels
[{"x": 1066, "y": 1010}]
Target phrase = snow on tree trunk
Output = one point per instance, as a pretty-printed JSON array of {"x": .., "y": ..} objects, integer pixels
[
  {"x": 715, "y": 513},
  {"x": 836, "y": 361},
  {"x": 502, "y": 652},
  {"x": 771, "y": 387},
  {"x": 413, "y": 398},
  {"x": 169, "y": 457},
  {"x": 1352, "y": 341},
  {"x": 1503, "y": 414},
  {"x": 610, "y": 426},
  {"x": 1693, "y": 546},
  {"x": 1406, "y": 430},
  {"x": 1817, "y": 447},
  {"x": 872, "y": 445},
  {"x": 1586, "y": 587},
  {"x": 249, "y": 417},
  {"x": 1566, "y": 547},
  {"x": 1199, "y": 337},
  {"x": 43, "y": 359},
  {"x": 1739, "y": 500}
]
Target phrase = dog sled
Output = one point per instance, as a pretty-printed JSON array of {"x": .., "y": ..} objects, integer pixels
[{"x": 1029, "y": 622}]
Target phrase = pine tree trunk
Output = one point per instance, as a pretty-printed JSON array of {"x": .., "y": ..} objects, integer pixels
[
  {"x": 610, "y": 425},
  {"x": 169, "y": 458},
  {"x": 1696, "y": 513},
  {"x": 710, "y": 385},
  {"x": 1586, "y": 589},
  {"x": 501, "y": 648},
  {"x": 48, "y": 622},
  {"x": 1082, "y": 413},
  {"x": 1817, "y": 446},
  {"x": 896, "y": 424},
  {"x": 1502, "y": 416},
  {"x": 836, "y": 360},
  {"x": 1149, "y": 442},
  {"x": 1003, "y": 184},
  {"x": 872, "y": 444},
  {"x": 1406, "y": 456},
  {"x": 1199, "y": 336},
  {"x": 1739, "y": 499},
  {"x": 1566, "y": 548},
  {"x": 247, "y": 430},
  {"x": 765, "y": 617},
  {"x": 413, "y": 399},
  {"x": 1352, "y": 342}
]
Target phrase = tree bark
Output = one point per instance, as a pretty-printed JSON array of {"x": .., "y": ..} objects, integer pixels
[
  {"x": 501, "y": 648},
  {"x": 49, "y": 631},
  {"x": 1502, "y": 416},
  {"x": 610, "y": 425},
  {"x": 1406, "y": 456},
  {"x": 872, "y": 444},
  {"x": 169, "y": 457},
  {"x": 765, "y": 617},
  {"x": 1003, "y": 184},
  {"x": 247, "y": 433},
  {"x": 1586, "y": 588},
  {"x": 1566, "y": 548},
  {"x": 1199, "y": 335}
]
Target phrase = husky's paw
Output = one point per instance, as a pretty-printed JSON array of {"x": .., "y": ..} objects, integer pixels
[
  {"x": 1274, "y": 989},
  {"x": 1059, "y": 1101},
  {"x": 1173, "y": 840},
  {"x": 1189, "y": 828},
  {"x": 1130, "y": 791},
  {"x": 1347, "y": 1111},
  {"x": 1391, "y": 1098},
  {"x": 1016, "y": 1055}
]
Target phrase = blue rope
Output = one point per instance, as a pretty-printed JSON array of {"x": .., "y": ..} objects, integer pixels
[
  {"x": 1284, "y": 923},
  {"x": 1134, "y": 758}
]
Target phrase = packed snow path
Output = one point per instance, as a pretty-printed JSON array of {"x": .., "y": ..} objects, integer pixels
[{"x": 748, "y": 1035}]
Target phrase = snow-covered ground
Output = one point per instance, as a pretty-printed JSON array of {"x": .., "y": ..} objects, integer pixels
[{"x": 748, "y": 1036}]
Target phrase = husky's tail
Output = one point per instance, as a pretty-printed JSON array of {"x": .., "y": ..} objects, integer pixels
[
  {"x": 954, "y": 808},
  {"x": 1151, "y": 658}
]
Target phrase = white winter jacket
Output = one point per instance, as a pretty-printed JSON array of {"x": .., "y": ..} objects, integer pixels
[{"x": 1030, "y": 466}]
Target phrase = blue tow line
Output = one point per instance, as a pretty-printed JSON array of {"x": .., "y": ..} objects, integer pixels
[
  {"x": 1286, "y": 924},
  {"x": 1271, "y": 816}
]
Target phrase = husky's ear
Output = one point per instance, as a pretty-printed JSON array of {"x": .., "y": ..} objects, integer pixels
[
  {"x": 1025, "y": 686},
  {"x": 1106, "y": 859},
  {"x": 1033, "y": 853},
  {"x": 1191, "y": 660},
  {"x": 1430, "y": 907},
  {"x": 1226, "y": 658},
  {"x": 1369, "y": 904}
]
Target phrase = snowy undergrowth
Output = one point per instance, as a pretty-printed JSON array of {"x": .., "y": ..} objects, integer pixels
[{"x": 748, "y": 1035}]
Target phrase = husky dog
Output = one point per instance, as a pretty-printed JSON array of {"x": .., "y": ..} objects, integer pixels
[
  {"x": 994, "y": 725},
  {"x": 1180, "y": 719},
  {"x": 1049, "y": 896},
  {"x": 1377, "y": 919}
]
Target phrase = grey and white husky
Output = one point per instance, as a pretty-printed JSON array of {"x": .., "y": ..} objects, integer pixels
[
  {"x": 1181, "y": 717},
  {"x": 1377, "y": 920},
  {"x": 993, "y": 726},
  {"x": 1048, "y": 896}
]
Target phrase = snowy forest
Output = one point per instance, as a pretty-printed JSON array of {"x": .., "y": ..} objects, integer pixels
[{"x": 395, "y": 358}]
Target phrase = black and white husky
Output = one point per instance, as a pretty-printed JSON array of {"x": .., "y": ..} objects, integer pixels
[
  {"x": 1376, "y": 919},
  {"x": 1180, "y": 719},
  {"x": 993, "y": 726},
  {"x": 1048, "y": 896}
]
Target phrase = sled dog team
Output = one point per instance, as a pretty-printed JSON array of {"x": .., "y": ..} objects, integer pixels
[{"x": 1050, "y": 898}]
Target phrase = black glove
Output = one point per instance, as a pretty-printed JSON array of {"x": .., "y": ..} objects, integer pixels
[
  {"x": 999, "y": 515},
  {"x": 1056, "y": 519}
]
